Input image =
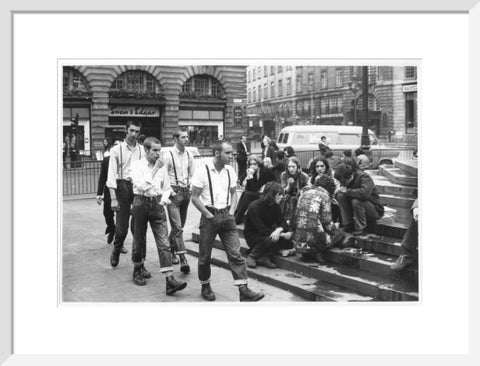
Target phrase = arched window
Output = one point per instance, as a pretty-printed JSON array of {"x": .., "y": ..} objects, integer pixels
[
  {"x": 202, "y": 86},
  {"x": 136, "y": 83},
  {"x": 74, "y": 83}
]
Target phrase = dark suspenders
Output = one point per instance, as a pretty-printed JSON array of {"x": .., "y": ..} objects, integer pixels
[
  {"x": 175, "y": 170},
  {"x": 210, "y": 185}
]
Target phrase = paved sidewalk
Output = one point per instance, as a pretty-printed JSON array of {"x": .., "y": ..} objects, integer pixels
[{"x": 88, "y": 276}]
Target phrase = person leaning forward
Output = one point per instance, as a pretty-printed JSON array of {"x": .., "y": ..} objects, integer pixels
[
  {"x": 151, "y": 188},
  {"x": 214, "y": 195},
  {"x": 119, "y": 182}
]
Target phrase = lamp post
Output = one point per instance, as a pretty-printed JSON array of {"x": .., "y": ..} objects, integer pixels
[
  {"x": 354, "y": 85},
  {"x": 365, "y": 142}
]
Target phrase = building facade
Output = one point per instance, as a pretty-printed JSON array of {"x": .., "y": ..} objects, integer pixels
[
  {"x": 209, "y": 100},
  {"x": 280, "y": 96}
]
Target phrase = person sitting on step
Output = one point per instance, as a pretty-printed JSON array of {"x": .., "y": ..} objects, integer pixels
[
  {"x": 292, "y": 181},
  {"x": 266, "y": 230},
  {"x": 257, "y": 177},
  {"x": 409, "y": 243}
]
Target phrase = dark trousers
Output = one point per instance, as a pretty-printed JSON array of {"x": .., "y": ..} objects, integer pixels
[
  {"x": 354, "y": 211},
  {"x": 148, "y": 210},
  {"x": 222, "y": 224},
  {"x": 246, "y": 198},
  {"x": 410, "y": 239},
  {"x": 124, "y": 193},
  {"x": 177, "y": 214},
  {"x": 242, "y": 169},
  {"x": 108, "y": 212},
  {"x": 267, "y": 248}
]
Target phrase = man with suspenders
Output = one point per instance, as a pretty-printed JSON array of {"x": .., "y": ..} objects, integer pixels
[
  {"x": 214, "y": 194},
  {"x": 120, "y": 184},
  {"x": 179, "y": 164}
]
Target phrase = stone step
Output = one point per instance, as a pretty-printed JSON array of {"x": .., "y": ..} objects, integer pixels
[
  {"x": 384, "y": 186},
  {"x": 309, "y": 288},
  {"x": 398, "y": 176},
  {"x": 397, "y": 201},
  {"x": 409, "y": 166},
  {"x": 380, "y": 288},
  {"x": 379, "y": 244}
]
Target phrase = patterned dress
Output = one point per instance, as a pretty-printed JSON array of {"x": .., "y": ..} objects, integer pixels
[{"x": 313, "y": 224}]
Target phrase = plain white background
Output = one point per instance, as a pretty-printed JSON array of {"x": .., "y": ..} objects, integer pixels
[{"x": 437, "y": 325}]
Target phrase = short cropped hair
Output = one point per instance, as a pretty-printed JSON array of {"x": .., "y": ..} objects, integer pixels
[
  {"x": 131, "y": 122},
  {"x": 359, "y": 151},
  {"x": 347, "y": 153},
  {"x": 149, "y": 141},
  {"x": 218, "y": 146},
  {"x": 177, "y": 133},
  {"x": 343, "y": 172}
]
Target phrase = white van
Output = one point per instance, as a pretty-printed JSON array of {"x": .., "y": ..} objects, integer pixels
[{"x": 339, "y": 138}]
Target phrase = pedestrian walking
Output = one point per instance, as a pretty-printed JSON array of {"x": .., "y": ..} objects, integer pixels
[
  {"x": 151, "y": 188},
  {"x": 214, "y": 194},
  {"x": 119, "y": 182},
  {"x": 180, "y": 168},
  {"x": 242, "y": 156}
]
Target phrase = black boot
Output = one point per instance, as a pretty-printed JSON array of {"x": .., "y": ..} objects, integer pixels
[
  {"x": 173, "y": 285},
  {"x": 248, "y": 295},
  {"x": 137, "y": 276},
  {"x": 114, "y": 258},
  {"x": 184, "y": 266},
  {"x": 145, "y": 273},
  {"x": 207, "y": 292}
]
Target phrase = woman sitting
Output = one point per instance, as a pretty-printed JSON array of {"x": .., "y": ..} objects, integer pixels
[
  {"x": 313, "y": 225},
  {"x": 292, "y": 181},
  {"x": 319, "y": 166},
  {"x": 265, "y": 227},
  {"x": 257, "y": 176}
]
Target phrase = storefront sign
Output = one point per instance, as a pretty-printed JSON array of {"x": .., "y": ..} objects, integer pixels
[
  {"x": 333, "y": 115},
  {"x": 133, "y": 111},
  {"x": 237, "y": 115},
  {"x": 409, "y": 88}
]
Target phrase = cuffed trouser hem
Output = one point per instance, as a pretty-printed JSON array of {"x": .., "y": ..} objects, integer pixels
[
  {"x": 166, "y": 269},
  {"x": 182, "y": 252},
  {"x": 205, "y": 282},
  {"x": 239, "y": 282},
  {"x": 138, "y": 264},
  {"x": 167, "y": 273}
]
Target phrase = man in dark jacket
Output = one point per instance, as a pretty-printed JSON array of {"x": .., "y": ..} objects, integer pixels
[
  {"x": 242, "y": 155},
  {"x": 358, "y": 199}
]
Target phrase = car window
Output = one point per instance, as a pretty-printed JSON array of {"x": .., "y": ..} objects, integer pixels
[
  {"x": 373, "y": 139},
  {"x": 285, "y": 138},
  {"x": 279, "y": 140}
]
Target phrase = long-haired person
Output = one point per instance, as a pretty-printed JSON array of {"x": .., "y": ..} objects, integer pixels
[
  {"x": 319, "y": 166},
  {"x": 266, "y": 230},
  {"x": 292, "y": 181},
  {"x": 257, "y": 177}
]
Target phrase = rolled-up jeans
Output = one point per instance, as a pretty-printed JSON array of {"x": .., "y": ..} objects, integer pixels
[
  {"x": 222, "y": 224},
  {"x": 177, "y": 214},
  {"x": 148, "y": 210},
  {"x": 360, "y": 212},
  {"x": 124, "y": 194}
]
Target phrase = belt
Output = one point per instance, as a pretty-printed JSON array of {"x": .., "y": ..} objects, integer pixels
[
  {"x": 181, "y": 188},
  {"x": 124, "y": 181},
  {"x": 146, "y": 198},
  {"x": 214, "y": 210}
]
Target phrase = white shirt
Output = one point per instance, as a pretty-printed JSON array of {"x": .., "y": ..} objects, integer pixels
[
  {"x": 121, "y": 158},
  {"x": 147, "y": 185},
  {"x": 183, "y": 167},
  {"x": 219, "y": 184}
]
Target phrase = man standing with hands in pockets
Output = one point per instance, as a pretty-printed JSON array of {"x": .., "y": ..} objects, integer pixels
[
  {"x": 214, "y": 194},
  {"x": 151, "y": 188}
]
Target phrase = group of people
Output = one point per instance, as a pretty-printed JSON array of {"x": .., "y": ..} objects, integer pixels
[
  {"x": 144, "y": 184},
  {"x": 330, "y": 204}
]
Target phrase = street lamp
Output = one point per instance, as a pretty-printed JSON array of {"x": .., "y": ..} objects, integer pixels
[
  {"x": 354, "y": 85},
  {"x": 365, "y": 142}
]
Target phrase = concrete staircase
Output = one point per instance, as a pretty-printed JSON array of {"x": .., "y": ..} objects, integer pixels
[{"x": 363, "y": 274}]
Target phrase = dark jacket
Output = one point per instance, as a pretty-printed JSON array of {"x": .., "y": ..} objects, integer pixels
[
  {"x": 261, "y": 220},
  {"x": 270, "y": 154},
  {"x": 363, "y": 188},
  {"x": 102, "y": 179},
  {"x": 241, "y": 152},
  {"x": 254, "y": 184}
]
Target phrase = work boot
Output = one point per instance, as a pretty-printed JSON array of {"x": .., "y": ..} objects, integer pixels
[
  {"x": 402, "y": 261},
  {"x": 251, "y": 262},
  {"x": 173, "y": 257},
  {"x": 138, "y": 278},
  {"x": 248, "y": 295},
  {"x": 110, "y": 237},
  {"x": 173, "y": 285},
  {"x": 184, "y": 266},
  {"x": 114, "y": 257},
  {"x": 145, "y": 273},
  {"x": 123, "y": 250},
  {"x": 207, "y": 292},
  {"x": 266, "y": 262}
]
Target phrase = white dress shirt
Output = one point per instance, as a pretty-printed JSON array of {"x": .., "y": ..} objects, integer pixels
[
  {"x": 147, "y": 185},
  {"x": 183, "y": 167},
  {"x": 121, "y": 158}
]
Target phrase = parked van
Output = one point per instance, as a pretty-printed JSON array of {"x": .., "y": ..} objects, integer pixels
[{"x": 339, "y": 138}]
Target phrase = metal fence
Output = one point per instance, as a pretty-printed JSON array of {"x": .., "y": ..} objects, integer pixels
[{"x": 81, "y": 177}]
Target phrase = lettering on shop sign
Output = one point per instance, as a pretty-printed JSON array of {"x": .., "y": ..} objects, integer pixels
[
  {"x": 409, "y": 88},
  {"x": 134, "y": 111}
]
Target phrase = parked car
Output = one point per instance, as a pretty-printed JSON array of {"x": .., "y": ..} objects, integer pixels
[{"x": 339, "y": 138}]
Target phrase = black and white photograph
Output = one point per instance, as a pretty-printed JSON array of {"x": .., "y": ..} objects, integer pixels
[{"x": 282, "y": 182}]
